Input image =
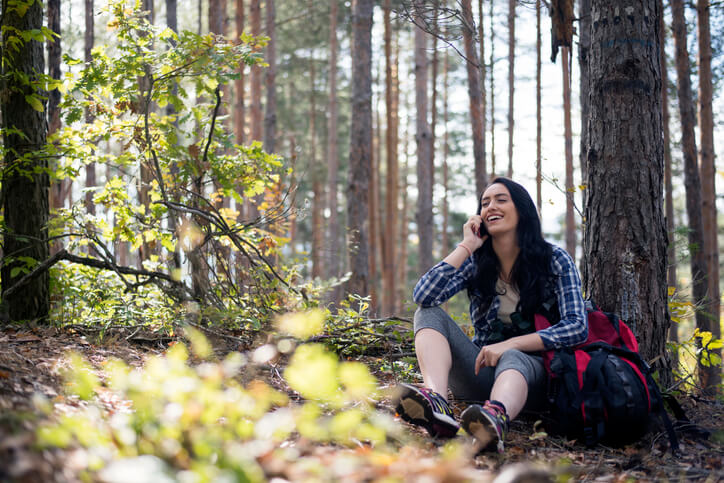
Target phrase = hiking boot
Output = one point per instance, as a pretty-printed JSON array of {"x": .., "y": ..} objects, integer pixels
[
  {"x": 424, "y": 407},
  {"x": 487, "y": 423}
]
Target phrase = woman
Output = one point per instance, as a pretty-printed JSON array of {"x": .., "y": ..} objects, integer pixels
[{"x": 510, "y": 273}]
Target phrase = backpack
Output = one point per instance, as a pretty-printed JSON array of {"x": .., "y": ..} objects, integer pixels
[{"x": 602, "y": 389}]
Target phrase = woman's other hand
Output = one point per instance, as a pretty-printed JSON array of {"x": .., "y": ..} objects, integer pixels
[{"x": 490, "y": 354}]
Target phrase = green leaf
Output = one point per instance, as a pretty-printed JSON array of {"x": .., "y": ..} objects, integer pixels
[{"x": 35, "y": 102}]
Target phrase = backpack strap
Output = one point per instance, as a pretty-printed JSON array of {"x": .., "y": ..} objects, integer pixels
[{"x": 593, "y": 399}]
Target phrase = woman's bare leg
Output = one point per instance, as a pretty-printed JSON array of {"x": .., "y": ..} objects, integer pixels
[{"x": 434, "y": 358}]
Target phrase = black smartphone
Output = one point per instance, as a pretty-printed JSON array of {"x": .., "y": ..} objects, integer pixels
[{"x": 482, "y": 231}]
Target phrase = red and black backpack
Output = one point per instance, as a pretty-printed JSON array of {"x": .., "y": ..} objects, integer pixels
[{"x": 602, "y": 389}]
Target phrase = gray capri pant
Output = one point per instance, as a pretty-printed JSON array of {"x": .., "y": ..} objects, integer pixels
[{"x": 463, "y": 382}]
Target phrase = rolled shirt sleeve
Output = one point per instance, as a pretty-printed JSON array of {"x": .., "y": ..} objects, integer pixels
[{"x": 441, "y": 282}]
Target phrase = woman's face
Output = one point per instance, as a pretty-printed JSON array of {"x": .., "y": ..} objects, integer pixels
[{"x": 498, "y": 210}]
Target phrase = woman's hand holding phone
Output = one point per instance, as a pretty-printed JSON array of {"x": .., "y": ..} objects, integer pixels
[{"x": 474, "y": 233}]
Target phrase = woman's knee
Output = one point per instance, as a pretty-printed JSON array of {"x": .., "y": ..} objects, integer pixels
[
  {"x": 430, "y": 317},
  {"x": 517, "y": 361}
]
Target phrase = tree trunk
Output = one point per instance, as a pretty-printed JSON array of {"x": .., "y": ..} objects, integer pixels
[
  {"x": 239, "y": 106},
  {"x": 58, "y": 187},
  {"x": 538, "y": 116},
  {"x": 668, "y": 187},
  {"x": 424, "y": 153},
  {"x": 492, "y": 91},
  {"x": 90, "y": 169},
  {"x": 334, "y": 253},
  {"x": 172, "y": 23},
  {"x": 445, "y": 153},
  {"x": 270, "y": 118},
  {"x": 483, "y": 93},
  {"x": 255, "y": 77},
  {"x": 568, "y": 139},
  {"x": 708, "y": 185},
  {"x": 584, "y": 46},
  {"x": 316, "y": 174},
  {"x": 511, "y": 82},
  {"x": 25, "y": 182},
  {"x": 625, "y": 267},
  {"x": 375, "y": 208},
  {"x": 403, "y": 293},
  {"x": 473, "y": 67},
  {"x": 360, "y": 152}
]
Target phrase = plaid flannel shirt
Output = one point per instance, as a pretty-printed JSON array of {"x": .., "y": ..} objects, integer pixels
[{"x": 443, "y": 281}]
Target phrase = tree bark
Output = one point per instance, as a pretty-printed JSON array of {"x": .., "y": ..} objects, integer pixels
[
  {"x": 708, "y": 185},
  {"x": 538, "y": 112},
  {"x": 314, "y": 170},
  {"x": 625, "y": 266},
  {"x": 239, "y": 105},
  {"x": 334, "y": 252},
  {"x": 90, "y": 169},
  {"x": 473, "y": 67},
  {"x": 568, "y": 140},
  {"x": 270, "y": 118},
  {"x": 58, "y": 187},
  {"x": 584, "y": 47},
  {"x": 668, "y": 187},
  {"x": 445, "y": 153},
  {"x": 255, "y": 76},
  {"x": 25, "y": 183},
  {"x": 692, "y": 181},
  {"x": 424, "y": 154},
  {"x": 483, "y": 93},
  {"x": 511, "y": 82},
  {"x": 360, "y": 153}
]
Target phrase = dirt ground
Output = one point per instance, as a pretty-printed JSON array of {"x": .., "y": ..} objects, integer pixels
[{"x": 31, "y": 362}]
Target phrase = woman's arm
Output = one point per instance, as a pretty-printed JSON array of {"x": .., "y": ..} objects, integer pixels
[
  {"x": 490, "y": 354},
  {"x": 572, "y": 329}
]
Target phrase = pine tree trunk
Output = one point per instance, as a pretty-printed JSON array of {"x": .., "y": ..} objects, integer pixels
[
  {"x": 239, "y": 105},
  {"x": 511, "y": 82},
  {"x": 360, "y": 154},
  {"x": 538, "y": 116},
  {"x": 58, "y": 187},
  {"x": 473, "y": 67},
  {"x": 316, "y": 174},
  {"x": 668, "y": 187},
  {"x": 424, "y": 153},
  {"x": 584, "y": 46},
  {"x": 334, "y": 252},
  {"x": 692, "y": 181},
  {"x": 25, "y": 182},
  {"x": 375, "y": 209},
  {"x": 483, "y": 93},
  {"x": 708, "y": 185},
  {"x": 625, "y": 265},
  {"x": 90, "y": 169},
  {"x": 568, "y": 139},
  {"x": 270, "y": 118},
  {"x": 445, "y": 153},
  {"x": 255, "y": 76}
]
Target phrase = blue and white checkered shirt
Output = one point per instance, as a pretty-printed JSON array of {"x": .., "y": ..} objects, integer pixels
[{"x": 443, "y": 281}]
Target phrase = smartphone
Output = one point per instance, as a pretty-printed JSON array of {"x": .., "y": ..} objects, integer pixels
[{"x": 482, "y": 231}]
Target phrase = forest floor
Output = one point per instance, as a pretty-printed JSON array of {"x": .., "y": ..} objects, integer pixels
[{"x": 31, "y": 360}]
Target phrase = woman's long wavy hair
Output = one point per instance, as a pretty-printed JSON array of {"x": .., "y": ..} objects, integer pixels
[{"x": 532, "y": 269}]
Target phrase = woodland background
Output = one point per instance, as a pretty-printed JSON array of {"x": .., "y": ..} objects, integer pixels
[{"x": 265, "y": 182}]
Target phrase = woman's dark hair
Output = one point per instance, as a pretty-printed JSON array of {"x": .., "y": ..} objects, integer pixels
[{"x": 531, "y": 272}]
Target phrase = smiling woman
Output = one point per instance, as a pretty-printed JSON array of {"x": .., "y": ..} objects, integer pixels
[{"x": 510, "y": 273}]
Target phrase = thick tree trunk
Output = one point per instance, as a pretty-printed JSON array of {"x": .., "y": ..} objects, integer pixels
[
  {"x": 270, "y": 117},
  {"x": 511, "y": 82},
  {"x": 568, "y": 140},
  {"x": 360, "y": 153},
  {"x": 473, "y": 68},
  {"x": 668, "y": 187},
  {"x": 424, "y": 154},
  {"x": 334, "y": 253},
  {"x": 25, "y": 182},
  {"x": 625, "y": 234},
  {"x": 538, "y": 116},
  {"x": 708, "y": 185}
]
